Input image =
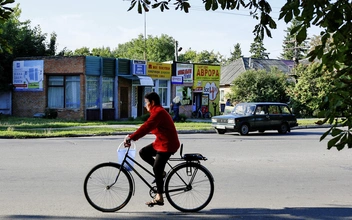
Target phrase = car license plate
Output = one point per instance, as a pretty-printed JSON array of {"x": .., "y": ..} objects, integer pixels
[{"x": 220, "y": 126}]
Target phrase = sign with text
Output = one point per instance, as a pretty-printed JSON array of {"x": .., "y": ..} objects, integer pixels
[
  {"x": 186, "y": 71},
  {"x": 207, "y": 80},
  {"x": 177, "y": 80},
  {"x": 138, "y": 67},
  {"x": 28, "y": 75},
  {"x": 159, "y": 70}
]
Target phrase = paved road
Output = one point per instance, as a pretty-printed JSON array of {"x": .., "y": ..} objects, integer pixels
[{"x": 268, "y": 176}]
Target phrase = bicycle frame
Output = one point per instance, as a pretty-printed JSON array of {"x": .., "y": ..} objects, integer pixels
[{"x": 194, "y": 159}]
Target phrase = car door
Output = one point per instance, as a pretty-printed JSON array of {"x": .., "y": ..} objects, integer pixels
[
  {"x": 275, "y": 116},
  {"x": 262, "y": 119}
]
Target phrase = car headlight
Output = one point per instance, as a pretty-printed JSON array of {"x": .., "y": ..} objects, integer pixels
[
  {"x": 213, "y": 120},
  {"x": 231, "y": 121}
]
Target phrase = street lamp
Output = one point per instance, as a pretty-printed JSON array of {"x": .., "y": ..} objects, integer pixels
[{"x": 177, "y": 50}]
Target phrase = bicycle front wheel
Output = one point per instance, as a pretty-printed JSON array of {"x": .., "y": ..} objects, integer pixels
[
  {"x": 189, "y": 187},
  {"x": 106, "y": 188}
]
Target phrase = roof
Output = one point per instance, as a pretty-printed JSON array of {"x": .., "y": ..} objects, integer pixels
[{"x": 237, "y": 67}]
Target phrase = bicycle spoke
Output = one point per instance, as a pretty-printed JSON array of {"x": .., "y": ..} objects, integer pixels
[
  {"x": 104, "y": 191},
  {"x": 189, "y": 188}
]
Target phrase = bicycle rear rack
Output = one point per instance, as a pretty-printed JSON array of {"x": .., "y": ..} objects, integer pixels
[{"x": 191, "y": 156}]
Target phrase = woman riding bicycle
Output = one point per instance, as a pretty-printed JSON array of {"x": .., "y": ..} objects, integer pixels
[{"x": 166, "y": 143}]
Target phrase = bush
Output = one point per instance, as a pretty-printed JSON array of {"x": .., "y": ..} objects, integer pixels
[
  {"x": 183, "y": 117},
  {"x": 144, "y": 117}
]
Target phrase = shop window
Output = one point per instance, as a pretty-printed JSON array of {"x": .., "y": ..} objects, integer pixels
[
  {"x": 222, "y": 95},
  {"x": 92, "y": 94},
  {"x": 64, "y": 92},
  {"x": 162, "y": 91},
  {"x": 108, "y": 92}
]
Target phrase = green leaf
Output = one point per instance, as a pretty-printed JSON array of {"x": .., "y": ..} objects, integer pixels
[
  {"x": 302, "y": 35},
  {"x": 325, "y": 134},
  {"x": 332, "y": 142},
  {"x": 336, "y": 131}
]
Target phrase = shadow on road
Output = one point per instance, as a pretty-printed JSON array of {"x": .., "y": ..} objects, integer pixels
[
  {"x": 273, "y": 133},
  {"x": 321, "y": 213}
]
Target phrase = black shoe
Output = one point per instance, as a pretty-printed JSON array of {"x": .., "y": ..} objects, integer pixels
[{"x": 164, "y": 174}]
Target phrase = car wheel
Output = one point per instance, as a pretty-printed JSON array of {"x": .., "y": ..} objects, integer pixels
[
  {"x": 283, "y": 128},
  {"x": 220, "y": 131},
  {"x": 244, "y": 130}
]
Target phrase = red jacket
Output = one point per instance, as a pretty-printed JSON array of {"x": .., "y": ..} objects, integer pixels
[{"x": 162, "y": 126}]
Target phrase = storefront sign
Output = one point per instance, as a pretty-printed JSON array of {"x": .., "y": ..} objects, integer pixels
[
  {"x": 186, "y": 71},
  {"x": 28, "y": 75},
  {"x": 177, "y": 80},
  {"x": 159, "y": 70},
  {"x": 207, "y": 80},
  {"x": 138, "y": 67}
]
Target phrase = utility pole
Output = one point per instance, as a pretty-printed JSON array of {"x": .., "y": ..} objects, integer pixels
[
  {"x": 145, "y": 36},
  {"x": 176, "y": 50}
]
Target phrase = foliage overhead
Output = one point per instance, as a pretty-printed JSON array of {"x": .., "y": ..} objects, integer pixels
[{"x": 333, "y": 17}]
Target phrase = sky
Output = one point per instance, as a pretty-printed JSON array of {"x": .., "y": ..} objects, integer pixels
[{"x": 87, "y": 23}]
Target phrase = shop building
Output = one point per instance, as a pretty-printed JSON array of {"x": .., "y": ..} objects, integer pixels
[{"x": 97, "y": 88}]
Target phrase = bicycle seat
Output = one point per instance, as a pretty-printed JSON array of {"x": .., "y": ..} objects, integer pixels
[{"x": 192, "y": 157}]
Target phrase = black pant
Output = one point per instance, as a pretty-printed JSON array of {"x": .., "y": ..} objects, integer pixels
[{"x": 148, "y": 153}]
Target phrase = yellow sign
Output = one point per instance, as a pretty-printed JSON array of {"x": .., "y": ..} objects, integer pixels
[
  {"x": 159, "y": 70},
  {"x": 206, "y": 73}
]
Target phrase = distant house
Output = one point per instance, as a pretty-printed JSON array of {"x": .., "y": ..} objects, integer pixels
[{"x": 237, "y": 67}]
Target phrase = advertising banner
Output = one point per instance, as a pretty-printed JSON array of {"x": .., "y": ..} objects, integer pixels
[
  {"x": 185, "y": 70},
  {"x": 207, "y": 80},
  {"x": 159, "y": 70},
  {"x": 28, "y": 75},
  {"x": 185, "y": 94}
]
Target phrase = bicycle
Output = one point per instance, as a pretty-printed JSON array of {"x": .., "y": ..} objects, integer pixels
[
  {"x": 188, "y": 185},
  {"x": 202, "y": 112}
]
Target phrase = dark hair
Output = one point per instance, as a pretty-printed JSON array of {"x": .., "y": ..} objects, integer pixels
[{"x": 153, "y": 96}]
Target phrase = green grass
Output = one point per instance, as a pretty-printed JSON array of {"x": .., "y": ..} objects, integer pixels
[{"x": 16, "y": 127}]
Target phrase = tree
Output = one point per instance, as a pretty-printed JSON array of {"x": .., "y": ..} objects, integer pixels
[
  {"x": 333, "y": 17},
  {"x": 201, "y": 57},
  {"x": 24, "y": 42},
  {"x": 292, "y": 50},
  {"x": 5, "y": 13},
  {"x": 236, "y": 53},
  {"x": 260, "y": 86},
  {"x": 257, "y": 49},
  {"x": 312, "y": 86},
  {"x": 157, "y": 49}
]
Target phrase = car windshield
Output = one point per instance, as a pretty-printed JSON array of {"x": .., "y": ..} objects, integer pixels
[{"x": 244, "y": 109}]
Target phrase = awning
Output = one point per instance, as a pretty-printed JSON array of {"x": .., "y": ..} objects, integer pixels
[{"x": 140, "y": 80}]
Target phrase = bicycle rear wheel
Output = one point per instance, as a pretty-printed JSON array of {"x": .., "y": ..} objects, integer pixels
[
  {"x": 106, "y": 188},
  {"x": 207, "y": 115},
  {"x": 189, "y": 187}
]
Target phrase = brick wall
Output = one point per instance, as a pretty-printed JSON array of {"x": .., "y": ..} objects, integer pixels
[{"x": 26, "y": 104}]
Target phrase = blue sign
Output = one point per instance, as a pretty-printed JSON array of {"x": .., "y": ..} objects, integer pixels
[{"x": 139, "y": 67}]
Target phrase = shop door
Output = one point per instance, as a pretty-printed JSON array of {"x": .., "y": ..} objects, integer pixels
[
  {"x": 140, "y": 105},
  {"x": 124, "y": 102}
]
